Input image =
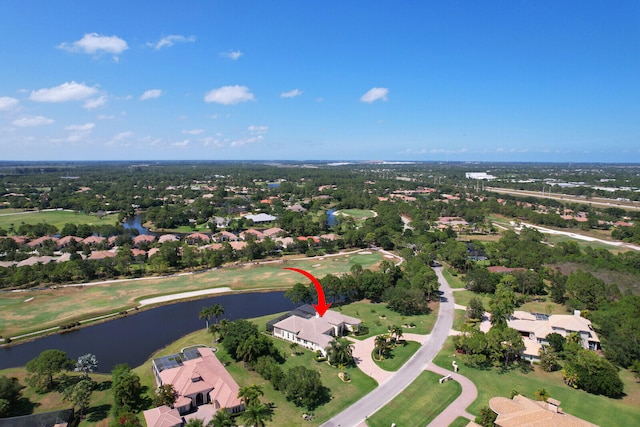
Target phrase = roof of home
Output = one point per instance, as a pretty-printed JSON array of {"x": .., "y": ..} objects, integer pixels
[
  {"x": 144, "y": 238},
  {"x": 168, "y": 238},
  {"x": 261, "y": 217},
  {"x": 202, "y": 375},
  {"x": 273, "y": 231},
  {"x": 307, "y": 326},
  {"x": 199, "y": 236},
  {"x": 523, "y": 412},
  {"x": 162, "y": 416}
]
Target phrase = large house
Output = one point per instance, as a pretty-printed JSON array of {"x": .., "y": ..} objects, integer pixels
[
  {"x": 199, "y": 378},
  {"x": 521, "y": 411},
  {"x": 306, "y": 328},
  {"x": 535, "y": 327}
]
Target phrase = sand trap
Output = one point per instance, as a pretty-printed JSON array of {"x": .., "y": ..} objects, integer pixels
[
  {"x": 389, "y": 256},
  {"x": 28, "y": 299},
  {"x": 365, "y": 253},
  {"x": 183, "y": 295},
  {"x": 316, "y": 265}
]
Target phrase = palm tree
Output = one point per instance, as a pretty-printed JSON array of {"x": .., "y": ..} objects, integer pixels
[
  {"x": 222, "y": 418},
  {"x": 340, "y": 351},
  {"x": 256, "y": 415},
  {"x": 250, "y": 394},
  {"x": 397, "y": 331},
  {"x": 216, "y": 311},
  {"x": 205, "y": 314},
  {"x": 381, "y": 345}
]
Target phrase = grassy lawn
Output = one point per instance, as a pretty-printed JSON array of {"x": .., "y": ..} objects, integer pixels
[
  {"x": 50, "y": 307},
  {"x": 460, "y": 318},
  {"x": 459, "y": 422},
  {"x": 378, "y": 318},
  {"x": 409, "y": 410},
  {"x": 57, "y": 218},
  {"x": 396, "y": 356},
  {"x": 357, "y": 214},
  {"x": 463, "y": 298},
  {"x": 455, "y": 281},
  {"x": 597, "y": 409},
  {"x": 547, "y": 306}
]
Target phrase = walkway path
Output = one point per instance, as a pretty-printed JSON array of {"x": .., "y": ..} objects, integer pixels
[
  {"x": 457, "y": 408},
  {"x": 355, "y": 414}
]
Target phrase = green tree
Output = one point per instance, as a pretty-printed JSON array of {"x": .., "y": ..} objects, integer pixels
[
  {"x": 222, "y": 418},
  {"x": 503, "y": 303},
  {"x": 594, "y": 374},
  {"x": 42, "y": 369},
  {"x": 256, "y": 415},
  {"x": 396, "y": 330},
  {"x": 300, "y": 294},
  {"x": 253, "y": 347},
  {"x": 165, "y": 395},
  {"x": 475, "y": 309},
  {"x": 79, "y": 395},
  {"x": 340, "y": 352},
  {"x": 194, "y": 422},
  {"x": 304, "y": 387},
  {"x": 234, "y": 333},
  {"x": 250, "y": 394},
  {"x": 487, "y": 417},
  {"x": 381, "y": 345},
  {"x": 541, "y": 394},
  {"x": 125, "y": 386},
  {"x": 549, "y": 359},
  {"x": 10, "y": 392}
]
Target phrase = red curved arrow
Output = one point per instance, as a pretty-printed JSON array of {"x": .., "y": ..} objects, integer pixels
[{"x": 322, "y": 305}]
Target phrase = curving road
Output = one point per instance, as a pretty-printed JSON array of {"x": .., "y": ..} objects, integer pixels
[{"x": 356, "y": 414}]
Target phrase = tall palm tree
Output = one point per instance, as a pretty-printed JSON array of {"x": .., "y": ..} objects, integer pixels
[
  {"x": 397, "y": 331},
  {"x": 250, "y": 394},
  {"x": 222, "y": 418},
  {"x": 340, "y": 351},
  {"x": 205, "y": 314},
  {"x": 381, "y": 345},
  {"x": 216, "y": 311},
  {"x": 256, "y": 415}
]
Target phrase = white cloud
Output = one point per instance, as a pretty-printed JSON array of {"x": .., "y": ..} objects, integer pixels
[
  {"x": 123, "y": 135},
  {"x": 215, "y": 142},
  {"x": 229, "y": 95},
  {"x": 120, "y": 139},
  {"x": 171, "y": 40},
  {"x": 31, "y": 121},
  {"x": 374, "y": 94},
  {"x": 151, "y": 94},
  {"x": 235, "y": 54},
  {"x": 246, "y": 141},
  {"x": 193, "y": 131},
  {"x": 79, "y": 132},
  {"x": 291, "y": 93},
  {"x": 7, "y": 103},
  {"x": 94, "y": 43},
  {"x": 180, "y": 143},
  {"x": 92, "y": 103},
  {"x": 258, "y": 130},
  {"x": 106, "y": 117},
  {"x": 80, "y": 128},
  {"x": 69, "y": 91}
]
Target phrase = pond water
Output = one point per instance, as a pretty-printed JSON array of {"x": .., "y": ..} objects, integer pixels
[
  {"x": 132, "y": 339},
  {"x": 331, "y": 218},
  {"x": 135, "y": 223}
]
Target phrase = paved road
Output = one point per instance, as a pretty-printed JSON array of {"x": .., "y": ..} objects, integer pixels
[{"x": 355, "y": 414}]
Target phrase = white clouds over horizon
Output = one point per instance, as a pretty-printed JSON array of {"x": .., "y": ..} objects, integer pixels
[
  {"x": 151, "y": 94},
  {"x": 170, "y": 40},
  {"x": 32, "y": 121},
  {"x": 7, "y": 103},
  {"x": 94, "y": 43},
  {"x": 92, "y": 103},
  {"x": 193, "y": 131},
  {"x": 79, "y": 132},
  {"x": 291, "y": 94},
  {"x": 229, "y": 95},
  {"x": 374, "y": 94},
  {"x": 69, "y": 91}
]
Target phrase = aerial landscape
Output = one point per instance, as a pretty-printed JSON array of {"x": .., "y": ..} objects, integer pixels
[{"x": 321, "y": 214}]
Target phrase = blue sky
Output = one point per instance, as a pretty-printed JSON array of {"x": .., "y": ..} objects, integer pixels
[{"x": 313, "y": 80}]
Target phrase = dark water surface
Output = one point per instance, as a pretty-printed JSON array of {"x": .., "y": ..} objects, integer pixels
[{"x": 132, "y": 339}]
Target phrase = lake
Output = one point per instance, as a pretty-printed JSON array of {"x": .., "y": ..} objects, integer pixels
[{"x": 133, "y": 338}]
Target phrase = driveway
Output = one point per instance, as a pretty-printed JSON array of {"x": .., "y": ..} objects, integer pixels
[{"x": 356, "y": 414}]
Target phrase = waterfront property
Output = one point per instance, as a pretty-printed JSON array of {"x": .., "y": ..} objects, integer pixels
[
  {"x": 199, "y": 378},
  {"x": 306, "y": 328},
  {"x": 535, "y": 327}
]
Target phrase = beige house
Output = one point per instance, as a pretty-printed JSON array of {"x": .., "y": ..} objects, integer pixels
[
  {"x": 304, "y": 327},
  {"x": 162, "y": 416},
  {"x": 199, "y": 378},
  {"x": 535, "y": 327},
  {"x": 524, "y": 412}
]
